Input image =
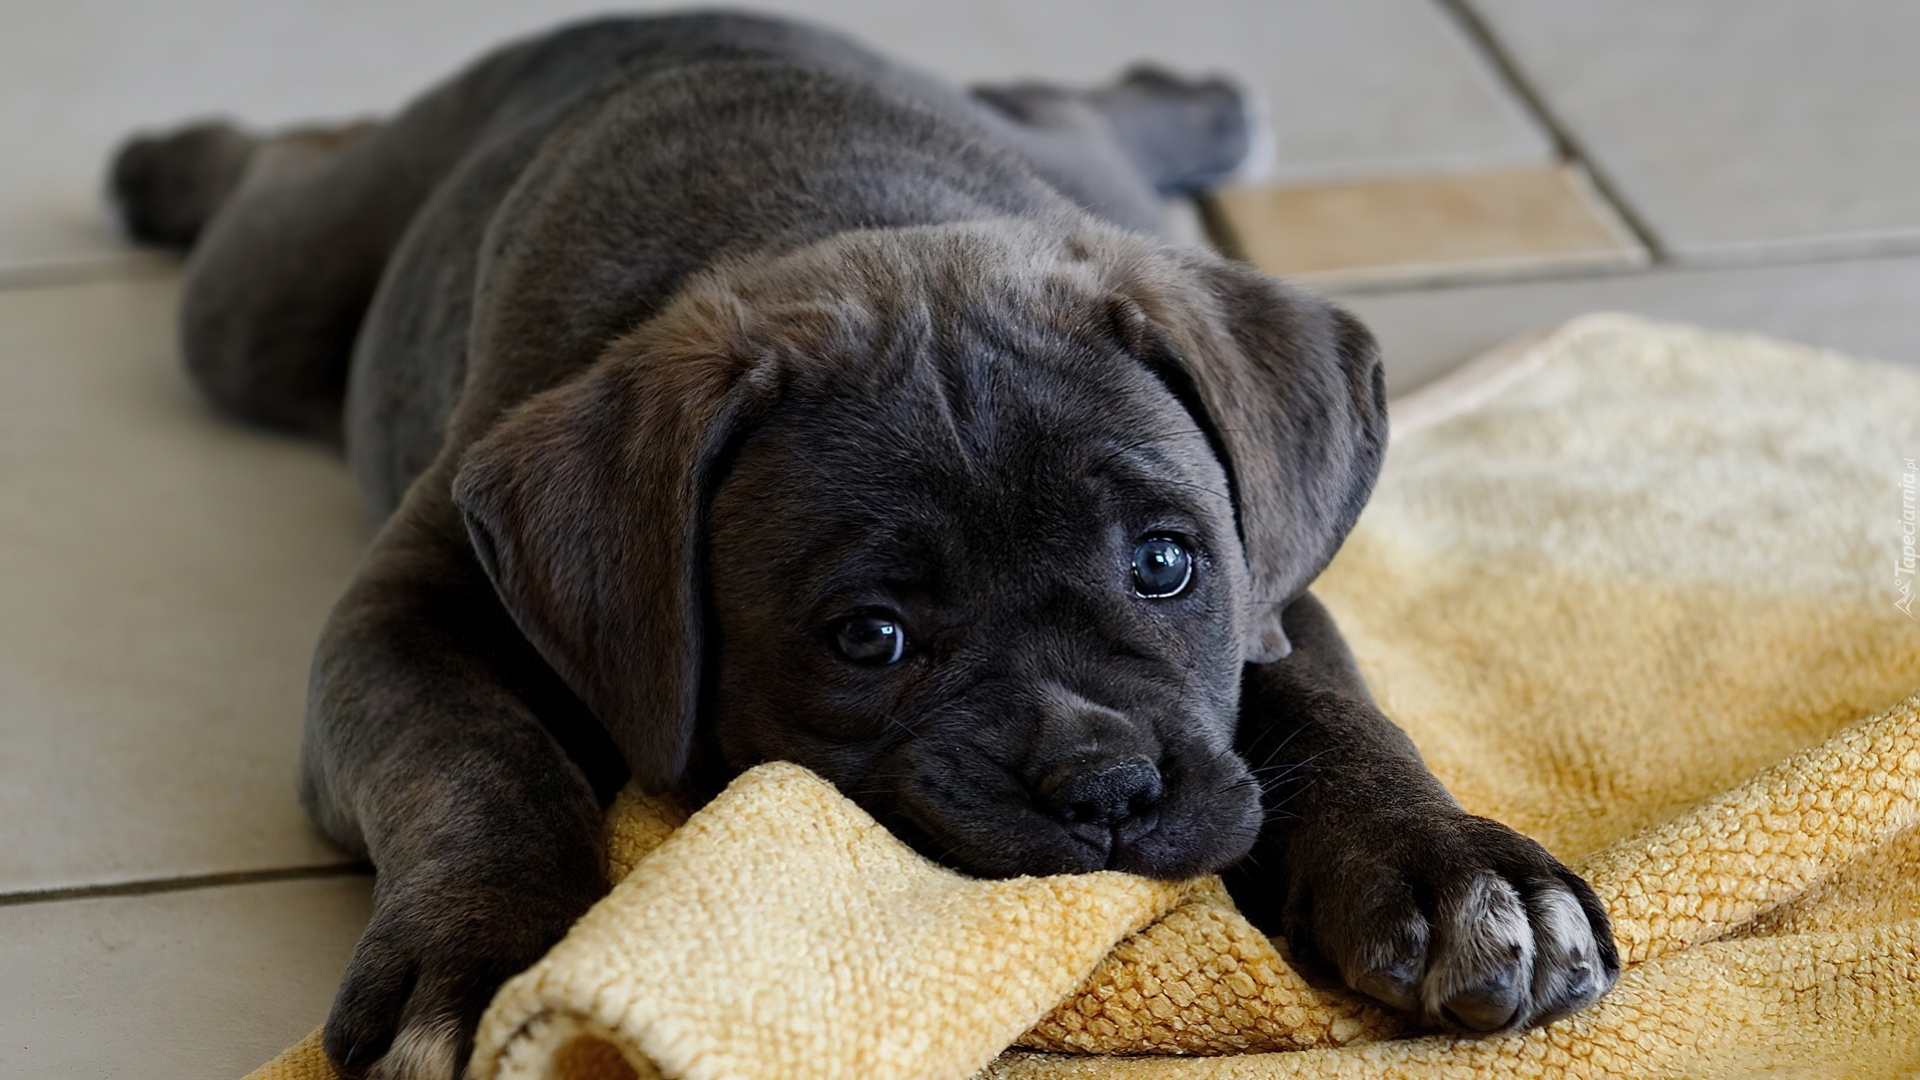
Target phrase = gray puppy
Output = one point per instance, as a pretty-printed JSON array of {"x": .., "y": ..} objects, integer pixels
[{"x": 727, "y": 393}]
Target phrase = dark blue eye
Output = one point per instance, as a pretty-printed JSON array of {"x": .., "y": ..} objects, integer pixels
[
  {"x": 872, "y": 638},
  {"x": 1161, "y": 567}
]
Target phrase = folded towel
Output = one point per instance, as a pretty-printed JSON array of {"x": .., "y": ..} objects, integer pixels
[{"x": 1631, "y": 588}]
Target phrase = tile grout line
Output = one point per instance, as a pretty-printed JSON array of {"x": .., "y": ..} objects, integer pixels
[
  {"x": 134, "y": 266},
  {"x": 1571, "y": 274},
  {"x": 66, "y": 275},
  {"x": 1565, "y": 145},
  {"x": 183, "y": 884}
]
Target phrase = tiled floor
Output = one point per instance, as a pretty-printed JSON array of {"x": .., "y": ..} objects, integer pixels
[
  {"x": 207, "y": 982},
  {"x": 78, "y": 75},
  {"x": 165, "y": 910},
  {"x": 162, "y": 578},
  {"x": 1867, "y": 307},
  {"x": 1738, "y": 132}
]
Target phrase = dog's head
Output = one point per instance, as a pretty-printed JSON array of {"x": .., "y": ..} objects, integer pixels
[{"x": 978, "y": 522}]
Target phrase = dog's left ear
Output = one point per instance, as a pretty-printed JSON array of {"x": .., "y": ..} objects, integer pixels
[
  {"x": 1289, "y": 391},
  {"x": 586, "y": 507}
]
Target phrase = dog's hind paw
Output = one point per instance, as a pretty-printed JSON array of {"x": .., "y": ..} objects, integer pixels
[
  {"x": 167, "y": 187},
  {"x": 1188, "y": 135}
]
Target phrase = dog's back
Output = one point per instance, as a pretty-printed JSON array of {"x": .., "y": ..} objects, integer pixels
[{"x": 570, "y": 182}]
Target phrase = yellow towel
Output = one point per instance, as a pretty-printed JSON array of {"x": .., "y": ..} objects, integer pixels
[{"x": 1631, "y": 588}]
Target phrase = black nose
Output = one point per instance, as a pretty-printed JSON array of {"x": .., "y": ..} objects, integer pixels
[{"x": 1105, "y": 793}]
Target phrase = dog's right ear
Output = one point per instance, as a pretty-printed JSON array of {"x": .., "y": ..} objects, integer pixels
[
  {"x": 1289, "y": 391},
  {"x": 585, "y": 505}
]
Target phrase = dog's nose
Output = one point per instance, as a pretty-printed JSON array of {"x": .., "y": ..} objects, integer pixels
[{"x": 1105, "y": 793}]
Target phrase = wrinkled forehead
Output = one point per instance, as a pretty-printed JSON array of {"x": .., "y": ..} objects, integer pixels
[{"x": 959, "y": 443}]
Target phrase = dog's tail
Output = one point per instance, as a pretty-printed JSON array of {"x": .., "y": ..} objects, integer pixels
[{"x": 167, "y": 187}]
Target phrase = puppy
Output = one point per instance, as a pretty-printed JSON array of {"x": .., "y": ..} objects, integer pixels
[{"x": 726, "y": 393}]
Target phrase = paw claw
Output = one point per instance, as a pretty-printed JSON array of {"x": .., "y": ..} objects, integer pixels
[
  {"x": 1398, "y": 985},
  {"x": 1489, "y": 1004}
]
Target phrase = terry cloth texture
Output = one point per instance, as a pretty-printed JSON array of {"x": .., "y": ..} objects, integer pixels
[{"x": 1631, "y": 588}]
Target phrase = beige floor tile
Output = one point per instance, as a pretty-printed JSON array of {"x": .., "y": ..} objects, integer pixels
[
  {"x": 1466, "y": 225},
  {"x": 1865, "y": 307},
  {"x": 203, "y": 984},
  {"x": 1357, "y": 86},
  {"x": 163, "y": 576},
  {"x": 1738, "y": 131}
]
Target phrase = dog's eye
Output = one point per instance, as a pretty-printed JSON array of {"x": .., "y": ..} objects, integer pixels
[
  {"x": 1161, "y": 567},
  {"x": 872, "y": 638}
]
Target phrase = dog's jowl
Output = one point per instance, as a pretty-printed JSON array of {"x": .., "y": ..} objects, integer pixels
[{"x": 726, "y": 393}]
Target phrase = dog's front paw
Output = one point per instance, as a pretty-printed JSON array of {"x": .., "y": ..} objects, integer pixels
[
  {"x": 1457, "y": 918},
  {"x": 427, "y": 965}
]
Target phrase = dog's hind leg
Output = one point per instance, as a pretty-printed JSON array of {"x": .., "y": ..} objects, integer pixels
[
  {"x": 290, "y": 235},
  {"x": 286, "y": 237},
  {"x": 1119, "y": 149}
]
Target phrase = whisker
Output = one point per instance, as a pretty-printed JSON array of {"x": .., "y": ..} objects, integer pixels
[{"x": 1282, "y": 745}]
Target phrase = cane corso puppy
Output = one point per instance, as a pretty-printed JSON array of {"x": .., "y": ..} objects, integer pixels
[{"x": 727, "y": 393}]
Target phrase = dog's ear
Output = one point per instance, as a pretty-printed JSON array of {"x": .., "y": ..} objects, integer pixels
[
  {"x": 585, "y": 504},
  {"x": 1289, "y": 391}
]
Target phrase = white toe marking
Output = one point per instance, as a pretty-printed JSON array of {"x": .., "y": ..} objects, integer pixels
[
  {"x": 424, "y": 1050},
  {"x": 1568, "y": 952},
  {"x": 1387, "y": 973},
  {"x": 1486, "y": 933}
]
